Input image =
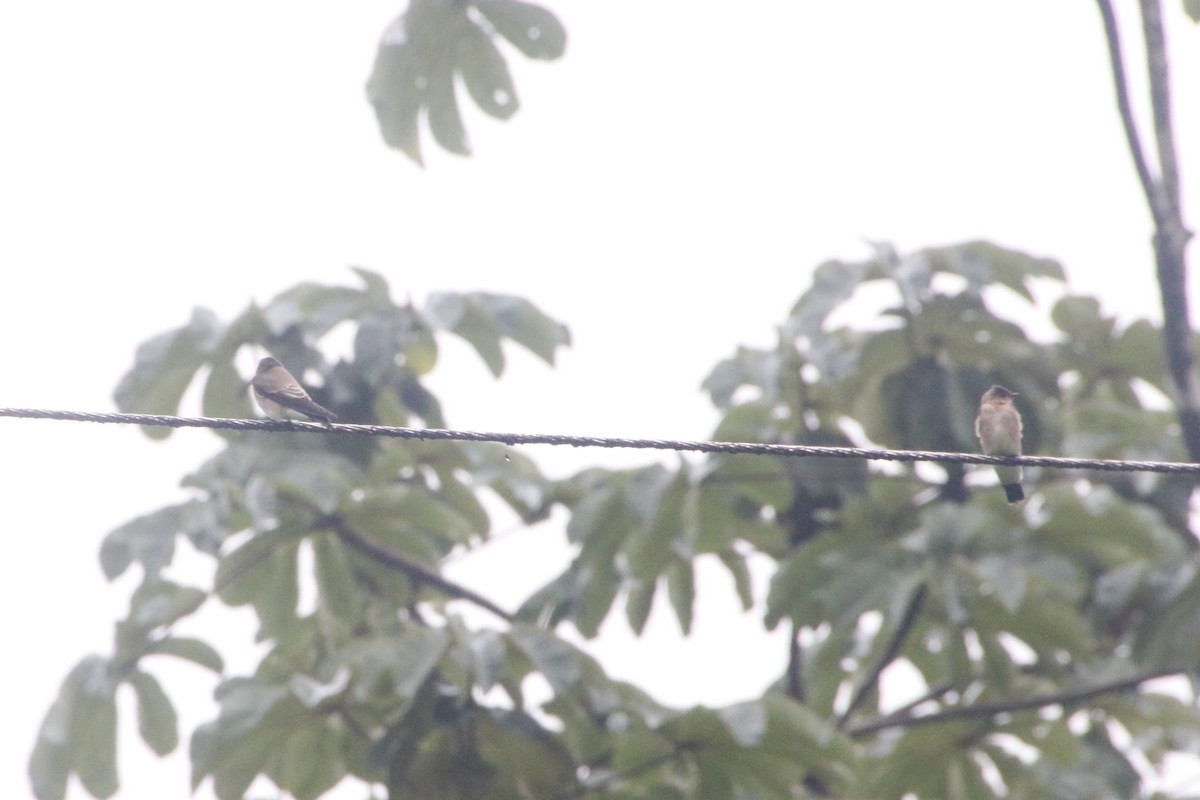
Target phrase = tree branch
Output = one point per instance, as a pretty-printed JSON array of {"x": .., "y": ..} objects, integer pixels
[
  {"x": 933, "y": 693},
  {"x": 1117, "y": 61},
  {"x": 795, "y": 666},
  {"x": 894, "y": 643},
  {"x": 1160, "y": 103},
  {"x": 1170, "y": 233},
  {"x": 1162, "y": 195},
  {"x": 419, "y": 573},
  {"x": 983, "y": 710}
]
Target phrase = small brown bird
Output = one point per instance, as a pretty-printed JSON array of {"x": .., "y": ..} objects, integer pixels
[
  {"x": 281, "y": 396},
  {"x": 998, "y": 427}
]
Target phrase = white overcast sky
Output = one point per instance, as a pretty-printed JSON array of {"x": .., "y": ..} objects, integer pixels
[{"x": 666, "y": 190}]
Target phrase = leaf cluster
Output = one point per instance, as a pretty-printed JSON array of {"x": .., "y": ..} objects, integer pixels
[
  {"x": 1027, "y": 633},
  {"x": 434, "y": 45},
  {"x": 999, "y": 615}
]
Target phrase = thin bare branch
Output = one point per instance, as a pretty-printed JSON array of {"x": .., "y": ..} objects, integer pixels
[
  {"x": 1112, "y": 35},
  {"x": 419, "y": 573},
  {"x": 985, "y": 710},
  {"x": 795, "y": 666},
  {"x": 1162, "y": 195},
  {"x": 1160, "y": 102},
  {"x": 890, "y": 650}
]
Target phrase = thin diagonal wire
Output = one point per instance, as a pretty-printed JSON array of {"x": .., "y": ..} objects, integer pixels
[
  {"x": 566, "y": 440},
  {"x": 801, "y": 451}
]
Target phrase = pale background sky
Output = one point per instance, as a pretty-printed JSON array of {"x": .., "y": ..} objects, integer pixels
[{"x": 666, "y": 190}]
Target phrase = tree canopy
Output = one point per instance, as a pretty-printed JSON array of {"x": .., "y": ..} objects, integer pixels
[
  {"x": 1032, "y": 629},
  {"x": 1038, "y": 637}
]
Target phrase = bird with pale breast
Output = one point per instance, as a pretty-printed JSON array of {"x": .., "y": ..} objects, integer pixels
[
  {"x": 281, "y": 396},
  {"x": 998, "y": 427}
]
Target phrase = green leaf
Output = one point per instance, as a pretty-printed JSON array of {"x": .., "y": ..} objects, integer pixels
[
  {"x": 740, "y": 573},
  {"x": 1055, "y": 740},
  {"x": 375, "y": 285},
  {"x": 485, "y": 73},
  {"x": 410, "y": 519},
  {"x": 1192, "y": 7},
  {"x": 486, "y": 657},
  {"x": 530, "y": 28},
  {"x": 917, "y": 762},
  {"x": 312, "y": 693},
  {"x": 310, "y": 762},
  {"x": 394, "y": 91},
  {"x": 681, "y": 588},
  {"x": 821, "y": 582},
  {"x": 1171, "y": 634},
  {"x": 1007, "y": 579},
  {"x": 483, "y": 319},
  {"x": 319, "y": 477},
  {"x": 420, "y": 350},
  {"x": 698, "y": 726},
  {"x": 1102, "y": 530},
  {"x": 225, "y": 392},
  {"x": 456, "y": 495},
  {"x": 983, "y": 263},
  {"x": 150, "y": 539},
  {"x": 245, "y": 704},
  {"x": 93, "y": 731},
  {"x": 1138, "y": 352},
  {"x": 1080, "y": 319},
  {"x": 753, "y": 421},
  {"x": 417, "y": 652},
  {"x": 523, "y": 753},
  {"x": 555, "y": 659},
  {"x": 157, "y": 722},
  {"x": 715, "y": 782},
  {"x": 193, "y": 650},
  {"x": 158, "y": 603},
  {"x": 656, "y": 497},
  {"x": 164, "y": 367},
  {"x": 421, "y": 51},
  {"x": 639, "y": 601},
  {"x": 764, "y": 481},
  {"x": 833, "y": 283},
  {"x": 598, "y": 583},
  {"x": 747, "y": 722},
  {"x": 1052, "y": 628},
  {"x": 932, "y": 424},
  {"x": 314, "y": 309},
  {"x": 336, "y": 587},
  {"x": 50, "y": 762},
  {"x": 255, "y": 718},
  {"x": 520, "y": 320},
  {"x": 639, "y": 748},
  {"x": 263, "y": 572},
  {"x": 444, "y": 120},
  {"x": 402, "y": 662},
  {"x": 827, "y": 752},
  {"x": 601, "y": 519},
  {"x": 456, "y": 313}
]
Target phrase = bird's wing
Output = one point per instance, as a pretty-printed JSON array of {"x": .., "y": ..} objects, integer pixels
[
  {"x": 293, "y": 396},
  {"x": 983, "y": 425}
]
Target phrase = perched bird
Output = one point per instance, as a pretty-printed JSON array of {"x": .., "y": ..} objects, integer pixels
[
  {"x": 998, "y": 427},
  {"x": 281, "y": 396}
]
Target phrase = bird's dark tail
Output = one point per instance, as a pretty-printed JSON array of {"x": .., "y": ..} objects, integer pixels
[{"x": 1014, "y": 491}]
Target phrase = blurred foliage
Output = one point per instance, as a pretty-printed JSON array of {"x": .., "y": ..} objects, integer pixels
[
  {"x": 434, "y": 45},
  {"x": 1011, "y": 620}
]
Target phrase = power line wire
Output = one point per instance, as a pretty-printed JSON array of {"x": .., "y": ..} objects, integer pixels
[{"x": 743, "y": 448}]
